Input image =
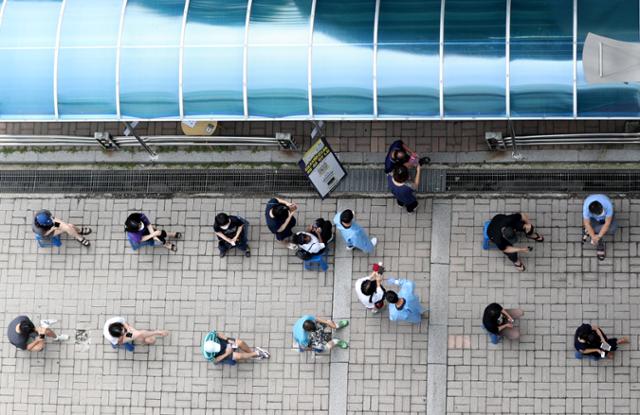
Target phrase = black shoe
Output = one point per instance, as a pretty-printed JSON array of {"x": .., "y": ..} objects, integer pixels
[
  {"x": 424, "y": 160},
  {"x": 247, "y": 253},
  {"x": 585, "y": 235},
  {"x": 223, "y": 254}
]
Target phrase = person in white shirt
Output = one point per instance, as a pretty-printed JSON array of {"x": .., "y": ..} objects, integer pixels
[
  {"x": 370, "y": 291},
  {"x": 120, "y": 333},
  {"x": 309, "y": 242}
]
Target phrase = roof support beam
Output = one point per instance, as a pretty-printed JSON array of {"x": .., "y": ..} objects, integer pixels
[
  {"x": 118, "y": 53},
  {"x": 507, "y": 83},
  {"x": 245, "y": 61},
  {"x": 181, "y": 59},
  {"x": 575, "y": 58},
  {"x": 376, "y": 21},
  {"x": 442, "y": 6},
  {"x": 312, "y": 20},
  {"x": 56, "y": 54},
  {"x": 2, "y": 7}
]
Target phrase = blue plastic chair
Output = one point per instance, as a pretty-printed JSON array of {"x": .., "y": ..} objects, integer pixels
[
  {"x": 317, "y": 262},
  {"x": 486, "y": 242},
  {"x": 127, "y": 346},
  {"x": 493, "y": 338},
  {"x": 581, "y": 356},
  {"x": 48, "y": 242},
  {"x": 135, "y": 246}
]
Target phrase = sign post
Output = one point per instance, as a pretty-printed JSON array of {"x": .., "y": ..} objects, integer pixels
[{"x": 322, "y": 167}]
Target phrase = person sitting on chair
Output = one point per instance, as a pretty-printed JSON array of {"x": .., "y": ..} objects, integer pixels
[
  {"x": 222, "y": 349},
  {"x": 139, "y": 229},
  {"x": 47, "y": 226}
]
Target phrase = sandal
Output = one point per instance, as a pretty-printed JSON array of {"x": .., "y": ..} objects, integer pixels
[
  {"x": 84, "y": 242},
  {"x": 178, "y": 235},
  {"x": 173, "y": 248},
  {"x": 601, "y": 250},
  {"x": 85, "y": 230},
  {"x": 519, "y": 267},
  {"x": 537, "y": 237}
]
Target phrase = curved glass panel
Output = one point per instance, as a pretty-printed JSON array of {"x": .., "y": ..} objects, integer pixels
[
  {"x": 215, "y": 22},
  {"x": 86, "y": 83},
  {"x": 26, "y": 84},
  {"x": 89, "y": 23},
  {"x": 27, "y": 41},
  {"x": 212, "y": 82},
  {"x": 277, "y": 81},
  {"x": 148, "y": 63},
  {"x": 149, "y": 82},
  {"x": 342, "y": 57},
  {"x": 30, "y": 23},
  {"x": 153, "y": 23},
  {"x": 408, "y": 64},
  {"x": 617, "y": 19},
  {"x": 541, "y": 67},
  {"x": 340, "y": 21},
  {"x": 474, "y": 58},
  {"x": 87, "y": 59},
  {"x": 342, "y": 80}
]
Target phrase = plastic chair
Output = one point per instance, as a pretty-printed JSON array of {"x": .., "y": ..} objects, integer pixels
[
  {"x": 486, "y": 242},
  {"x": 127, "y": 346},
  {"x": 317, "y": 262},
  {"x": 135, "y": 246},
  {"x": 493, "y": 338},
  {"x": 48, "y": 242},
  {"x": 581, "y": 356}
]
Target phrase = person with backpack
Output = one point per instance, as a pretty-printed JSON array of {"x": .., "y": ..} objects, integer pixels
[
  {"x": 370, "y": 291},
  {"x": 221, "y": 349},
  {"x": 140, "y": 230},
  {"x": 47, "y": 226}
]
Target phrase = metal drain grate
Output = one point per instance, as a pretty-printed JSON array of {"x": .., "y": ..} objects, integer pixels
[
  {"x": 542, "y": 181},
  {"x": 153, "y": 181}
]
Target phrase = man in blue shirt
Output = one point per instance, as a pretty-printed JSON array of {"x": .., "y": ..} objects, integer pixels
[
  {"x": 309, "y": 333},
  {"x": 598, "y": 221},
  {"x": 405, "y": 305}
]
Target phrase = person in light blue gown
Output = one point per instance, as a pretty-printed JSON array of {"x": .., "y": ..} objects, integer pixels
[
  {"x": 404, "y": 305},
  {"x": 352, "y": 232}
]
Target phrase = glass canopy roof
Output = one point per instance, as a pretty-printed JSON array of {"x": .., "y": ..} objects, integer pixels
[{"x": 308, "y": 59}]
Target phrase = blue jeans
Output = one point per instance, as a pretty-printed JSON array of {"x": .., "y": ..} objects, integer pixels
[{"x": 242, "y": 244}]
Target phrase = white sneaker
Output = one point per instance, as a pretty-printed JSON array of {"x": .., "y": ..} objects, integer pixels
[
  {"x": 47, "y": 323},
  {"x": 374, "y": 241},
  {"x": 349, "y": 248},
  {"x": 262, "y": 354},
  {"x": 292, "y": 247},
  {"x": 61, "y": 338}
]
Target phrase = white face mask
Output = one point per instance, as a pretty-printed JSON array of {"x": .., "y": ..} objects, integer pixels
[
  {"x": 225, "y": 226},
  {"x": 141, "y": 226}
]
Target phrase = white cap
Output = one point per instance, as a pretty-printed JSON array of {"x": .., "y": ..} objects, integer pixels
[{"x": 211, "y": 347}]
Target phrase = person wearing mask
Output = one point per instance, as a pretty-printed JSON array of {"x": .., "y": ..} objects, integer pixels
[
  {"x": 280, "y": 220},
  {"x": 352, "y": 233},
  {"x": 500, "y": 321},
  {"x": 232, "y": 232},
  {"x": 139, "y": 230}
]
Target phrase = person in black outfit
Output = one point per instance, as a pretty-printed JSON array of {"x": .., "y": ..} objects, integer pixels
[
  {"x": 502, "y": 232},
  {"x": 592, "y": 342},
  {"x": 498, "y": 320},
  {"x": 232, "y": 233}
]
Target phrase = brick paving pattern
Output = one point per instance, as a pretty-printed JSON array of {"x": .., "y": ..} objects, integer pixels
[{"x": 188, "y": 293}]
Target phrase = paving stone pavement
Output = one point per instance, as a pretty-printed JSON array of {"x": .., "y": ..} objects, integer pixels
[
  {"x": 564, "y": 285},
  {"x": 188, "y": 293},
  {"x": 258, "y": 299}
]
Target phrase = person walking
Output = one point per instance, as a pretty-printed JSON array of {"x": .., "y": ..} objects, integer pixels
[
  {"x": 402, "y": 189},
  {"x": 120, "y": 333},
  {"x": 598, "y": 220},
  {"x": 502, "y": 231},
  {"x": 232, "y": 232},
  {"x": 399, "y": 154},
  {"x": 370, "y": 291},
  {"x": 24, "y": 335},
  {"x": 592, "y": 342},
  {"x": 280, "y": 219},
  {"x": 47, "y": 226},
  {"x": 352, "y": 233},
  {"x": 405, "y": 305},
  {"x": 139, "y": 230},
  {"x": 221, "y": 349},
  {"x": 500, "y": 321},
  {"x": 310, "y": 333}
]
